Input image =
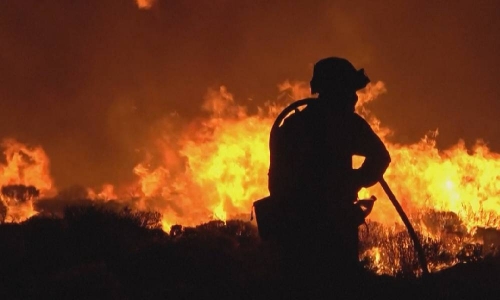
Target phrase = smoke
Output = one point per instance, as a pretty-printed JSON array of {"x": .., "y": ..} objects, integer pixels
[{"x": 90, "y": 81}]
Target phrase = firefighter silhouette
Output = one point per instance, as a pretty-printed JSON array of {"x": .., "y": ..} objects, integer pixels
[{"x": 312, "y": 182}]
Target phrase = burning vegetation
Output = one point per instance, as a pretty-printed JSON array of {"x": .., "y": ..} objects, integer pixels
[{"x": 216, "y": 166}]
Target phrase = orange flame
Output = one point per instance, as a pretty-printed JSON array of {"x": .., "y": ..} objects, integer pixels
[
  {"x": 107, "y": 193},
  {"x": 225, "y": 171},
  {"x": 457, "y": 180},
  {"x": 227, "y": 157},
  {"x": 23, "y": 166}
]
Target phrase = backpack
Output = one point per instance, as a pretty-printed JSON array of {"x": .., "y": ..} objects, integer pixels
[{"x": 273, "y": 213}]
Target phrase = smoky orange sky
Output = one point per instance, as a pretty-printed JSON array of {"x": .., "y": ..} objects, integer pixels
[{"x": 89, "y": 80}]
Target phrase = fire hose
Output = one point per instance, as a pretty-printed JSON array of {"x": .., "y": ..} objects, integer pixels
[
  {"x": 411, "y": 231},
  {"x": 413, "y": 235}
]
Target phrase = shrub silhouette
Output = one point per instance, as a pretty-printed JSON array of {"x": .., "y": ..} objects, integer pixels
[
  {"x": 15, "y": 194},
  {"x": 20, "y": 192},
  {"x": 101, "y": 250}
]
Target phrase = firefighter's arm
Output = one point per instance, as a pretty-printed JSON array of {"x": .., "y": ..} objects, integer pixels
[{"x": 377, "y": 158}]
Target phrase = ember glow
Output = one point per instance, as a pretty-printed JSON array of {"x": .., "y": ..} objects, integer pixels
[
  {"x": 215, "y": 168},
  {"x": 145, "y": 4}
]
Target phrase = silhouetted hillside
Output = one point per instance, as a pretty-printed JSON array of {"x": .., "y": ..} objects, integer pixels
[{"x": 106, "y": 252}]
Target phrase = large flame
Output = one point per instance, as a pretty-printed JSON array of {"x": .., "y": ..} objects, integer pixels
[
  {"x": 23, "y": 165},
  {"x": 216, "y": 167},
  {"x": 227, "y": 157}
]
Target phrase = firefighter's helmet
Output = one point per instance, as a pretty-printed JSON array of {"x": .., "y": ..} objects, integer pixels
[{"x": 334, "y": 73}]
